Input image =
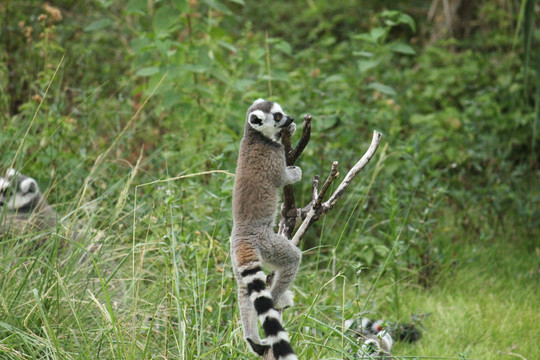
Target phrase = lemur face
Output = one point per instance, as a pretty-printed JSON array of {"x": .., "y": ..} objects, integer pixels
[
  {"x": 17, "y": 191},
  {"x": 268, "y": 118}
]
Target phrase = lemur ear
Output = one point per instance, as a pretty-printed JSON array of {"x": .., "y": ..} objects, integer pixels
[
  {"x": 259, "y": 100},
  {"x": 254, "y": 119},
  {"x": 28, "y": 185}
]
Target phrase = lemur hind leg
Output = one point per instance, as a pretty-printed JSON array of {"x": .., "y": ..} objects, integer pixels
[
  {"x": 248, "y": 315},
  {"x": 285, "y": 260}
]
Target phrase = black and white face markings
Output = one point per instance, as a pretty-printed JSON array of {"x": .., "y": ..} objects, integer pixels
[
  {"x": 276, "y": 336},
  {"x": 18, "y": 192},
  {"x": 268, "y": 118}
]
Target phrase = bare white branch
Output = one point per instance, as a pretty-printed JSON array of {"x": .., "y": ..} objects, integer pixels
[{"x": 314, "y": 213}]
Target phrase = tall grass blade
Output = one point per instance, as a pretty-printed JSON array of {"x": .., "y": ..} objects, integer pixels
[{"x": 528, "y": 27}]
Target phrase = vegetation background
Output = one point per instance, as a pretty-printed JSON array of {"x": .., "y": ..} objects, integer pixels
[{"x": 129, "y": 115}]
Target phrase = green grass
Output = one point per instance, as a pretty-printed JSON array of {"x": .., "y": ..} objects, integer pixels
[
  {"x": 151, "y": 278},
  {"x": 485, "y": 307}
]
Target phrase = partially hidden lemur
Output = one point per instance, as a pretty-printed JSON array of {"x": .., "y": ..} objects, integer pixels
[
  {"x": 22, "y": 206},
  {"x": 261, "y": 172},
  {"x": 376, "y": 339}
]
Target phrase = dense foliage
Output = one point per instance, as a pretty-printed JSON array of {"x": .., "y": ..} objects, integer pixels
[{"x": 113, "y": 106}]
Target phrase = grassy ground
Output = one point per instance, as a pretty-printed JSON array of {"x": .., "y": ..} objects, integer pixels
[
  {"x": 484, "y": 307},
  {"x": 164, "y": 289}
]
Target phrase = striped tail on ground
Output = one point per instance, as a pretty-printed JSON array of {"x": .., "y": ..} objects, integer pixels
[{"x": 276, "y": 336}]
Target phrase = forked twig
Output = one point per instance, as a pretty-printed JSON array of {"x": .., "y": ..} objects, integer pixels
[{"x": 320, "y": 208}]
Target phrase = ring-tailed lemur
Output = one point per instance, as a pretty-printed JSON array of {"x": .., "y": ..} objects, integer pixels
[
  {"x": 22, "y": 206},
  {"x": 261, "y": 172},
  {"x": 376, "y": 337}
]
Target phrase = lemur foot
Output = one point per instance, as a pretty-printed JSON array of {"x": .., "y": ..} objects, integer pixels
[
  {"x": 285, "y": 300},
  {"x": 259, "y": 349}
]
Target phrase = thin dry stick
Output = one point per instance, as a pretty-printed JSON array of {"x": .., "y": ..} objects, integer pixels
[{"x": 315, "y": 213}]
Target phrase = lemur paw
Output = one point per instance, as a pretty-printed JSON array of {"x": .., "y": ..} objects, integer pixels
[
  {"x": 285, "y": 300},
  {"x": 295, "y": 173},
  {"x": 291, "y": 129},
  {"x": 258, "y": 348}
]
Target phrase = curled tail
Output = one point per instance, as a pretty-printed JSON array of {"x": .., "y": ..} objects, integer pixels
[{"x": 276, "y": 337}]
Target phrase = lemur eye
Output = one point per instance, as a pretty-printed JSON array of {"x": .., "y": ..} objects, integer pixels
[{"x": 277, "y": 117}]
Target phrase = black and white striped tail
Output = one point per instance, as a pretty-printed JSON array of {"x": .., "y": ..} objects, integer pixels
[{"x": 276, "y": 336}]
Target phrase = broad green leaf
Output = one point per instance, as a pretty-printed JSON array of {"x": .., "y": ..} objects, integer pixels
[
  {"x": 243, "y": 84},
  {"x": 406, "y": 19},
  {"x": 181, "y": 5},
  {"x": 385, "y": 89},
  {"x": 368, "y": 256},
  {"x": 365, "y": 54},
  {"x": 402, "y": 48},
  {"x": 147, "y": 71},
  {"x": 140, "y": 43},
  {"x": 196, "y": 68},
  {"x": 364, "y": 37},
  {"x": 381, "y": 250},
  {"x": 164, "y": 18},
  {"x": 227, "y": 46},
  {"x": 136, "y": 7},
  {"x": 365, "y": 65},
  {"x": 98, "y": 25},
  {"x": 284, "y": 46},
  {"x": 335, "y": 78},
  {"x": 378, "y": 33},
  {"x": 218, "y": 6}
]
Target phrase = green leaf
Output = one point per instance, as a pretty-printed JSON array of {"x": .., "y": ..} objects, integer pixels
[
  {"x": 136, "y": 7},
  {"x": 365, "y": 65},
  {"x": 381, "y": 250},
  {"x": 402, "y": 48},
  {"x": 408, "y": 20},
  {"x": 385, "y": 89},
  {"x": 98, "y": 25},
  {"x": 368, "y": 256},
  {"x": 181, "y": 5},
  {"x": 227, "y": 46},
  {"x": 164, "y": 19},
  {"x": 218, "y": 6},
  {"x": 196, "y": 68},
  {"x": 365, "y": 54},
  {"x": 243, "y": 85},
  {"x": 364, "y": 37},
  {"x": 335, "y": 78},
  {"x": 378, "y": 33},
  {"x": 147, "y": 71},
  {"x": 284, "y": 47}
]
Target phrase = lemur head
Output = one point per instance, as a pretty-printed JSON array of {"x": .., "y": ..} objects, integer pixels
[
  {"x": 268, "y": 118},
  {"x": 19, "y": 192}
]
